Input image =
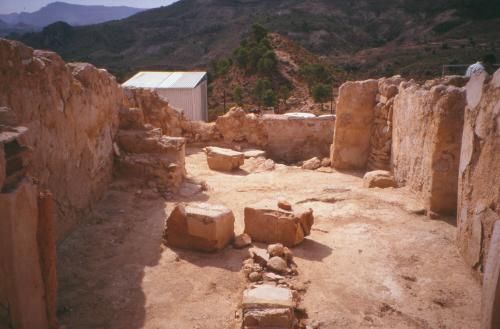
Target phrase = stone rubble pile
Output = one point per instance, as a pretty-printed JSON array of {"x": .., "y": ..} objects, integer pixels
[
  {"x": 274, "y": 293},
  {"x": 381, "y": 137}
]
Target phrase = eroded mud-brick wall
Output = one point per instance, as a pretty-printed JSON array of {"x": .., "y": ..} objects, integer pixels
[
  {"x": 427, "y": 132},
  {"x": 479, "y": 178},
  {"x": 71, "y": 111}
]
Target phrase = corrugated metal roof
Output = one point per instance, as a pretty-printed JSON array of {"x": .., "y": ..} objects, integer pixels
[{"x": 165, "y": 80}]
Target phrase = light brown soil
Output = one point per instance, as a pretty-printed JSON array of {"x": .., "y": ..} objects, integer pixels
[{"x": 372, "y": 261}]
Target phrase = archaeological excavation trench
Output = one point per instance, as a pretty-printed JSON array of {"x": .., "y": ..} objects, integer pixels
[{"x": 118, "y": 212}]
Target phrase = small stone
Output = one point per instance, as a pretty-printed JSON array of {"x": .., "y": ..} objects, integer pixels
[
  {"x": 242, "y": 241},
  {"x": 277, "y": 264},
  {"x": 259, "y": 255},
  {"x": 379, "y": 178},
  {"x": 285, "y": 205},
  {"x": 257, "y": 268},
  {"x": 269, "y": 276},
  {"x": 311, "y": 164},
  {"x": 255, "y": 276},
  {"x": 276, "y": 249}
]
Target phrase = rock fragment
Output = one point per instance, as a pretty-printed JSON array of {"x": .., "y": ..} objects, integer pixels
[
  {"x": 311, "y": 164},
  {"x": 260, "y": 256},
  {"x": 241, "y": 241},
  {"x": 276, "y": 249},
  {"x": 277, "y": 264},
  {"x": 379, "y": 178}
]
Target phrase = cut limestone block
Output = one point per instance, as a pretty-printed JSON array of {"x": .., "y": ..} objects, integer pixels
[
  {"x": 200, "y": 226},
  {"x": 224, "y": 159},
  {"x": 275, "y": 318},
  {"x": 268, "y": 306},
  {"x": 266, "y": 222},
  {"x": 378, "y": 178},
  {"x": 267, "y": 296}
]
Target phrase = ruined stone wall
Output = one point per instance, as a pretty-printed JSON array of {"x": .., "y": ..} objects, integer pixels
[
  {"x": 71, "y": 111},
  {"x": 293, "y": 139},
  {"x": 160, "y": 114},
  {"x": 479, "y": 176},
  {"x": 381, "y": 134},
  {"x": 427, "y": 130},
  {"x": 284, "y": 138}
]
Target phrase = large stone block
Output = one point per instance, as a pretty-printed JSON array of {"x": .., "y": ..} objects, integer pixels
[
  {"x": 266, "y": 222},
  {"x": 200, "y": 226},
  {"x": 268, "y": 306},
  {"x": 355, "y": 114},
  {"x": 224, "y": 159}
]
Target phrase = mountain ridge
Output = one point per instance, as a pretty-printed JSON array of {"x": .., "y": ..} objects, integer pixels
[
  {"x": 72, "y": 14},
  {"x": 189, "y": 34}
]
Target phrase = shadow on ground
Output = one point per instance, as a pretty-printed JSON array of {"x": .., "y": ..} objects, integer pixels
[{"x": 101, "y": 265}]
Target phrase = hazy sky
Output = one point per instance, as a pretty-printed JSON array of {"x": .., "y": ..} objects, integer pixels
[{"x": 9, "y": 6}]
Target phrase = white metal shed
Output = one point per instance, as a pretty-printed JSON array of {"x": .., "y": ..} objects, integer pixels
[{"x": 186, "y": 91}]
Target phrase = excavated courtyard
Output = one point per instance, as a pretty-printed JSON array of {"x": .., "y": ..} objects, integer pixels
[{"x": 373, "y": 260}]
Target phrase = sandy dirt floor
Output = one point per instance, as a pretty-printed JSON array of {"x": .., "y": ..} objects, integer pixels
[{"x": 372, "y": 260}]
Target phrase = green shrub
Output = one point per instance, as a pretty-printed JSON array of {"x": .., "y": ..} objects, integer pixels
[
  {"x": 320, "y": 92},
  {"x": 269, "y": 98},
  {"x": 314, "y": 73}
]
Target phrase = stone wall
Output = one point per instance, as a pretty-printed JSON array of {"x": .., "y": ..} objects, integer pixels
[
  {"x": 479, "y": 176},
  {"x": 381, "y": 134},
  {"x": 427, "y": 132},
  {"x": 71, "y": 111},
  {"x": 353, "y": 127},
  {"x": 284, "y": 138},
  {"x": 159, "y": 114},
  {"x": 293, "y": 139}
]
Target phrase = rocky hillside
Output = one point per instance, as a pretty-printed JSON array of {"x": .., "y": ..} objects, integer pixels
[
  {"x": 365, "y": 37},
  {"x": 272, "y": 72}
]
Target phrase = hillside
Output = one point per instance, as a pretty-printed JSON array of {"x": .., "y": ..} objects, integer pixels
[
  {"x": 365, "y": 37},
  {"x": 65, "y": 12},
  {"x": 287, "y": 85}
]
